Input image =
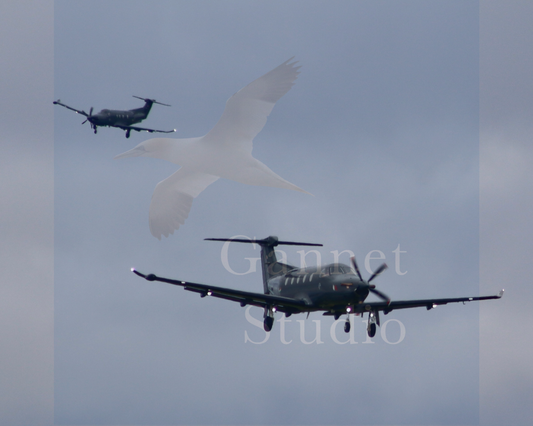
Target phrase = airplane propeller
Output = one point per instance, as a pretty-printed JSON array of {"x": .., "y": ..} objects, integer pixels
[
  {"x": 377, "y": 271},
  {"x": 372, "y": 287},
  {"x": 88, "y": 115}
]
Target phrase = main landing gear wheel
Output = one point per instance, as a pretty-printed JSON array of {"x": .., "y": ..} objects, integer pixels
[
  {"x": 128, "y": 133},
  {"x": 347, "y": 326},
  {"x": 268, "y": 323},
  {"x": 371, "y": 330}
]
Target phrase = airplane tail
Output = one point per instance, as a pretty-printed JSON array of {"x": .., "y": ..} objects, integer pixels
[
  {"x": 148, "y": 103},
  {"x": 269, "y": 263}
]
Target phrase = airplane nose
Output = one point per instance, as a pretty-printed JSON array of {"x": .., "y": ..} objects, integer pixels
[
  {"x": 344, "y": 282},
  {"x": 95, "y": 119}
]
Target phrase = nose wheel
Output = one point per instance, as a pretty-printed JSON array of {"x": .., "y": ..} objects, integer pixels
[{"x": 347, "y": 325}]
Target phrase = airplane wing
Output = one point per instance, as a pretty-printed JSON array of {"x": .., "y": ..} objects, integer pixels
[
  {"x": 58, "y": 102},
  {"x": 283, "y": 304},
  {"x": 143, "y": 129},
  {"x": 427, "y": 303}
]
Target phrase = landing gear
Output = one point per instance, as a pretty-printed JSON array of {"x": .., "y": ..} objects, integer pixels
[
  {"x": 373, "y": 321},
  {"x": 347, "y": 325},
  {"x": 128, "y": 133},
  {"x": 94, "y": 128},
  {"x": 268, "y": 323},
  {"x": 268, "y": 319}
]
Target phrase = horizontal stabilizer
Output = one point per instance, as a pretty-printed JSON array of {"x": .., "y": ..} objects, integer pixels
[
  {"x": 150, "y": 100},
  {"x": 268, "y": 242}
]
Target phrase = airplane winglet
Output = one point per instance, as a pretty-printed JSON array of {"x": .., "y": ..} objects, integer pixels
[
  {"x": 137, "y": 272},
  {"x": 500, "y": 294}
]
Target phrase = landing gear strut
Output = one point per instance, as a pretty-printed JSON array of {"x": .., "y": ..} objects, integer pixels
[{"x": 347, "y": 324}]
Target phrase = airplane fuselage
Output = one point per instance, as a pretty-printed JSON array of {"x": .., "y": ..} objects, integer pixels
[
  {"x": 114, "y": 118},
  {"x": 331, "y": 287}
]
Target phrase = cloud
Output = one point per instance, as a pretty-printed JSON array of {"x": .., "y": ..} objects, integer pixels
[{"x": 108, "y": 300}]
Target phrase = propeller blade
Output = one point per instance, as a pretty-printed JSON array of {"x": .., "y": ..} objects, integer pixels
[
  {"x": 87, "y": 115},
  {"x": 381, "y": 295},
  {"x": 372, "y": 287},
  {"x": 354, "y": 263},
  {"x": 377, "y": 272}
]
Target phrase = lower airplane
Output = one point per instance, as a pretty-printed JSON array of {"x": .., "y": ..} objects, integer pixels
[{"x": 336, "y": 288}]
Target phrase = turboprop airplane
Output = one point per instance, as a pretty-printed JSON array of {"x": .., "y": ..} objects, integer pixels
[
  {"x": 336, "y": 288},
  {"x": 121, "y": 119}
]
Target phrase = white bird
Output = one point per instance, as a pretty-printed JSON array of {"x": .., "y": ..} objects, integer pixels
[{"x": 224, "y": 152}]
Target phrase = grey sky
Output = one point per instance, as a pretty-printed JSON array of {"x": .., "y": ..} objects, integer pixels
[{"x": 381, "y": 127}]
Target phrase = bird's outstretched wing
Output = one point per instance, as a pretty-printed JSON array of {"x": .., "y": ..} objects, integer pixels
[
  {"x": 172, "y": 200},
  {"x": 247, "y": 110}
]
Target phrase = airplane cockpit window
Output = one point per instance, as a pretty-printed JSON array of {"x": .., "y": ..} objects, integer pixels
[{"x": 335, "y": 270}]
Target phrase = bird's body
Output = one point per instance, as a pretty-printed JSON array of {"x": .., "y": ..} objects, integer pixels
[{"x": 224, "y": 152}]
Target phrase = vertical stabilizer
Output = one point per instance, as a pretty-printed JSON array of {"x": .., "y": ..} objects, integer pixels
[{"x": 269, "y": 264}]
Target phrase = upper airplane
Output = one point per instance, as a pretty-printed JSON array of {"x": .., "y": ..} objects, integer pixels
[
  {"x": 121, "y": 119},
  {"x": 337, "y": 289},
  {"x": 224, "y": 152}
]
